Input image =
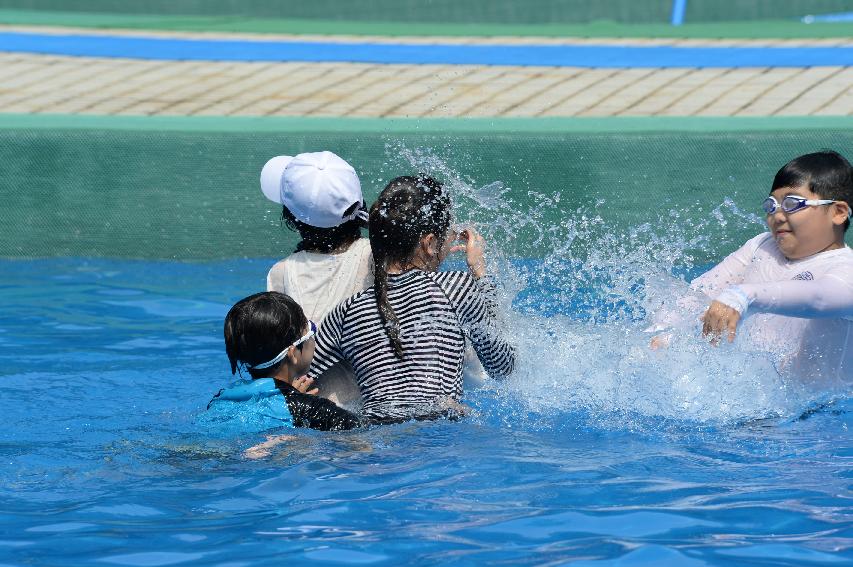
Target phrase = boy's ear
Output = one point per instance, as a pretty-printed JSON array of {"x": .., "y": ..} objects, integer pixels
[
  {"x": 291, "y": 354},
  {"x": 840, "y": 212}
]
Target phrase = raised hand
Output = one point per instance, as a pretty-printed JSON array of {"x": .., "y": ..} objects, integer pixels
[{"x": 473, "y": 244}]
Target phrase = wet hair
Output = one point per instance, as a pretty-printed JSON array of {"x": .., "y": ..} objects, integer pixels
[
  {"x": 324, "y": 240},
  {"x": 259, "y": 327},
  {"x": 825, "y": 173},
  {"x": 409, "y": 208}
]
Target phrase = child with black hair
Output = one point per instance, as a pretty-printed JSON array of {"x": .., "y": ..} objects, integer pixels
[
  {"x": 321, "y": 199},
  {"x": 269, "y": 335},
  {"x": 796, "y": 281},
  {"x": 405, "y": 336}
]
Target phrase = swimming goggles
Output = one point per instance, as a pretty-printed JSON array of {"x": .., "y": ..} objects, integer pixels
[
  {"x": 312, "y": 330},
  {"x": 793, "y": 203}
]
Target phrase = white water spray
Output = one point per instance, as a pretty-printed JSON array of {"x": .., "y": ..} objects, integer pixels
[{"x": 579, "y": 311}]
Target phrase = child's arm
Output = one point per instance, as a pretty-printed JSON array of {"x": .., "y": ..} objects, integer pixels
[
  {"x": 688, "y": 307},
  {"x": 319, "y": 413},
  {"x": 830, "y": 296},
  {"x": 731, "y": 270},
  {"x": 477, "y": 310},
  {"x": 262, "y": 450}
]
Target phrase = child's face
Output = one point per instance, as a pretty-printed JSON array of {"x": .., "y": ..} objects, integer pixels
[
  {"x": 809, "y": 230},
  {"x": 304, "y": 355}
]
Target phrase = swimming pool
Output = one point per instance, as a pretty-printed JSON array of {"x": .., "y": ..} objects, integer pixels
[
  {"x": 108, "y": 365},
  {"x": 597, "y": 450}
]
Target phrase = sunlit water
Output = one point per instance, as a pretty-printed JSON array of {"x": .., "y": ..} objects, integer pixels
[{"x": 597, "y": 450}]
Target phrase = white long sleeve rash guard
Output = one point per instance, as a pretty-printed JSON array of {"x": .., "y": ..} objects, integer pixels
[{"x": 801, "y": 310}]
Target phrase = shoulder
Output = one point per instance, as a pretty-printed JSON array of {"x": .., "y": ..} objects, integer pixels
[
  {"x": 838, "y": 263},
  {"x": 287, "y": 263},
  {"x": 362, "y": 255},
  {"x": 353, "y": 302},
  {"x": 360, "y": 247},
  {"x": 763, "y": 241},
  {"x": 318, "y": 413},
  {"x": 841, "y": 257},
  {"x": 453, "y": 278},
  {"x": 280, "y": 277},
  {"x": 364, "y": 296},
  {"x": 279, "y": 267},
  {"x": 358, "y": 251},
  {"x": 459, "y": 287},
  {"x": 759, "y": 248},
  {"x": 299, "y": 402},
  {"x": 294, "y": 395}
]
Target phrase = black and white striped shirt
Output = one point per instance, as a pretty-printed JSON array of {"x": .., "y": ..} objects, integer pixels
[{"x": 436, "y": 311}]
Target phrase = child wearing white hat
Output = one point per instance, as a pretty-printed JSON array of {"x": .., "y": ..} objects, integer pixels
[{"x": 322, "y": 200}]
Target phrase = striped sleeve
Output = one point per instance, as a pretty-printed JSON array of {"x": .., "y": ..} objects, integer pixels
[
  {"x": 475, "y": 305},
  {"x": 327, "y": 349}
]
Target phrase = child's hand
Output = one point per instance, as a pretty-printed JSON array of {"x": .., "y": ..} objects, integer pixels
[
  {"x": 660, "y": 341},
  {"x": 474, "y": 248},
  {"x": 454, "y": 408},
  {"x": 303, "y": 383},
  {"x": 720, "y": 319}
]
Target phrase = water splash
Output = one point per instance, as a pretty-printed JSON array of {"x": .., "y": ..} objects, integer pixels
[{"x": 579, "y": 311}]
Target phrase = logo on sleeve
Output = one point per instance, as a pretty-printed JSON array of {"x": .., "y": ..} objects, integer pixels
[{"x": 804, "y": 276}]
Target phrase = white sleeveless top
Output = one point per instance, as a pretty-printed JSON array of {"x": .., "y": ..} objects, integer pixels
[{"x": 319, "y": 282}]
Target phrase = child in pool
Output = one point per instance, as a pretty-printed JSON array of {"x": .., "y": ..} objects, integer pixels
[
  {"x": 405, "y": 335},
  {"x": 321, "y": 199},
  {"x": 795, "y": 283},
  {"x": 269, "y": 334}
]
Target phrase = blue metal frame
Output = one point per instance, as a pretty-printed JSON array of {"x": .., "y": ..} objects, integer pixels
[{"x": 678, "y": 9}]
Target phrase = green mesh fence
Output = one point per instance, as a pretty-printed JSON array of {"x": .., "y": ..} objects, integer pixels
[
  {"x": 127, "y": 189},
  {"x": 453, "y": 11}
]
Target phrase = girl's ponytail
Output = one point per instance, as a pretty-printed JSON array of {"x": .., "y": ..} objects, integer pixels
[{"x": 386, "y": 312}]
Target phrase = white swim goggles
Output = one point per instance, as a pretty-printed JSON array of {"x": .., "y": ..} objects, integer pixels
[
  {"x": 312, "y": 330},
  {"x": 793, "y": 203}
]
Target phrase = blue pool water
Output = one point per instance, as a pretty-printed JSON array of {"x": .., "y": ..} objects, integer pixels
[{"x": 594, "y": 453}]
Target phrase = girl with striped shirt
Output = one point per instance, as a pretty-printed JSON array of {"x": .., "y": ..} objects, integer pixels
[{"x": 405, "y": 335}]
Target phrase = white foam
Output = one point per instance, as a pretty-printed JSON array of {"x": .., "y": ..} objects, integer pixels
[{"x": 601, "y": 363}]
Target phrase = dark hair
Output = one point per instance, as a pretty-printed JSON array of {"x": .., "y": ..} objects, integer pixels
[
  {"x": 259, "y": 327},
  {"x": 324, "y": 240},
  {"x": 409, "y": 208},
  {"x": 825, "y": 173}
]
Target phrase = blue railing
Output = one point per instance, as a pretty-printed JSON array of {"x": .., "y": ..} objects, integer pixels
[{"x": 678, "y": 9}]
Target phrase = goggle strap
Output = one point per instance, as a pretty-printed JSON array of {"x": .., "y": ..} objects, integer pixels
[
  {"x": 312, "y": 330},
  {"x": 272, "y": 362}
]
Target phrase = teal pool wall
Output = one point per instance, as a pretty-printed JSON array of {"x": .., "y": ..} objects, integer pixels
[
  {"x": 470, "y": 11},
  {"x": 187, "y": 188}
]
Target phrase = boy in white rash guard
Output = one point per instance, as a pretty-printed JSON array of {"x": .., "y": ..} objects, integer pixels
[
  {"x": 321, "y": 198},
  {"x": 794, "y": 283}
]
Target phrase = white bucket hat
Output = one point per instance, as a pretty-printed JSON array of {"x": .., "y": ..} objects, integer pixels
[{"x": 317, "y": 187}]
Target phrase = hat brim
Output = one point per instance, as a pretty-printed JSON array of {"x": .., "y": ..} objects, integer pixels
[{"x": 271, "y": 178}]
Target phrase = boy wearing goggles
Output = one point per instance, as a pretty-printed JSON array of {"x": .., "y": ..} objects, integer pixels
[
  {"x": 268, "y": 335},
  {"x": 797, "y": 279}
]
